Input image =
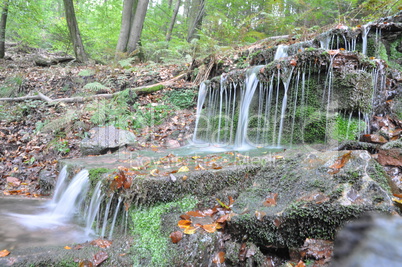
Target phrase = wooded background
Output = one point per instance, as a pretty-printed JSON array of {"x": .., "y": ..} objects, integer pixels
[{"x": 169, "y": 30}]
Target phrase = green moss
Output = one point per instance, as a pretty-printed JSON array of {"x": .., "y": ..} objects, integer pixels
[
  {"x": 151, "y": 245},
  {"x": 377, "y": 172},
  {"x": 96, "y": 174}
]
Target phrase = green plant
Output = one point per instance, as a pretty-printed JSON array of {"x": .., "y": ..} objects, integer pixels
[
  {"x": 11, "y": 86},
  {"x": 346, "y": 129},
  {"x": 95, "y": 86},
  {"x": 181, "y": 98}
]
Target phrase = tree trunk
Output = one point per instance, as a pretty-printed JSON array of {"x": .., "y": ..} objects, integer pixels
[
  {"x": 75, "y": 35},
  {"x": 196, "y": 14},
  {"x": 3, "y": 23},
  {"x": 128, "y": 13},
  {"x": 137, "y": 24},
  {"x": 173, "y": 21}
]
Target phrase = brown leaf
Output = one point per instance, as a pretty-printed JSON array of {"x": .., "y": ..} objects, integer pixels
[
  {"x": 223, "y": 218},
  {"x": 219, "y": 257},
  {"x": 270, "y": 200},
  {"x": 340, "y": 162},
  {"x": 242, "y": 252},
  {"x": 102, "y": 243},
  {"x": 85, "y": 263},
  {"x": 176, "y": 236},
  {"x": 185, "y": 217},
  {"x": 100, "y": 257},
  {"x": 260, "y": 215},
  {"x": 195, "y": 213},
  {"x": 4, "y": 253}
]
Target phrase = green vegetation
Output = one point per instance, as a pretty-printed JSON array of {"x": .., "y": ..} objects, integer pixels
[
  {"x": 345, "y": 129},
  {"x": 96, "y": 174},
  {"x": 181, "y": 98},
  {"x": 151, "y": 239}
]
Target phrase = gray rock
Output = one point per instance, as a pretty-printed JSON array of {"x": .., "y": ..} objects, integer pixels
[
  {"x": 47, "y": 181},
  {"x": 310, "y": 196},
  {"x": 104, "y": 139}
]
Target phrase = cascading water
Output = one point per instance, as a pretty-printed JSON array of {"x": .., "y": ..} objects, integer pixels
[
  {"x": 253, "y": 106},
  {"x": 67, "y": 205}
]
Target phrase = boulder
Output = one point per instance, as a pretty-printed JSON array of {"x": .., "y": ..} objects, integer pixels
[
  {"x": 310, "y": 196},
  {"x": 104, "y": 139}
]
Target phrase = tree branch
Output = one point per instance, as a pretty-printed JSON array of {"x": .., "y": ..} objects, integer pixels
[{"x": 142, "y": 90}]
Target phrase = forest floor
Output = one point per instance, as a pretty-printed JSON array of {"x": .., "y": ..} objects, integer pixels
[{"x": 31, "y": 144}]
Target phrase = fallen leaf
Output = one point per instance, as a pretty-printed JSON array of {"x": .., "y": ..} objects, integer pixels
[
  {"x": 219, "y": 257},
  {"x": 4, "y": 253},
  {"x": 176, "y": 236},
  {"x": 242, "y": 252},
  {"x": 102, "y": 243},
  {"x": 85, "y": 263},
  {"x": 185, "y": 217},
  {"x": 300, "y": 264},
  {"x": 154, "y": 172},
  {"x": 184, "y": 177},
  {"x": 67, "y": 247},
  {"x": 190, "y": 230},
  {"x": 223, "y": 218},
  {"x": 260, "y": 215},
  {"x": 196, "y": 213},
  {"x": 100, "y": 257},
  {"x": 210, "y": 228},
  {"x": 184, "y": 224},
  {"x": 340, "y": 162},
  {"x": 270, "y": 200},
  {"x": 223, "y": 205},
  {"x": 184, "y": 169}
]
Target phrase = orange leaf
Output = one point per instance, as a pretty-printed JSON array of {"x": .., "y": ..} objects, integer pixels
[
  {"x": 196, "y": 213},
  {"x": 219, "y": 257},
  {"x": 176, "y": 236},
  {"x": 102, "y": 243},
  {"x": 67, "y": 247},
  {"x": 340, "y": 162},
  {"x": 184, "y": 224},
  {"x": 210, "y": 228},
  {"x": 231, "y": 201},
  {"x": 223, "y": 218},
  {"x": 4, "y": 253},
  {"x": 300, "y": 264},
  {"x": 270, "y": 200},
  {"x": 190, "y": 230},
  {"x": 199, "y": 167},
  {"x": 85, "y": 263}
]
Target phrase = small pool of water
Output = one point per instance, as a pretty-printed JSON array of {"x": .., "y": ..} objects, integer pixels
[{"x": 23, "y": 224}]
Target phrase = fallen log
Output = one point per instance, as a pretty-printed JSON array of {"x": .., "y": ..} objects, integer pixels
[{"x": 142, "y": 90}]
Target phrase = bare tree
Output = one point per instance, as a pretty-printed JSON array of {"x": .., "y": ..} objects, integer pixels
[
  {"x": 75, "y": 35},
  {"x": 173, "y": 21},
  {"x": 195, "y": 17},
  {"x": 132, "y": 22},
  {"x": 3, "y": 22}
]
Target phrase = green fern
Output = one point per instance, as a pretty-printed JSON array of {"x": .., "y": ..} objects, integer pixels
[
  {"x": 95, "y": 86},
  {"x": 61, "y": 123},
  {"x": 86, "y": 72}
]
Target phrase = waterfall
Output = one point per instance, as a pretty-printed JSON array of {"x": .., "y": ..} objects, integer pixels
[
  {"x": 246, "y": 97},
  {"x": 281, "y": 52},
  {"x": 365, "y": 31}
]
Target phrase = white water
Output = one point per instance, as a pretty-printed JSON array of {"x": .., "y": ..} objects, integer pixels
[
  {"x": 59, "y": 212},
  {"x": 246, "y": 97},
  {"x": 365, "y": 31},
  {"x": 281, "y": 52}
]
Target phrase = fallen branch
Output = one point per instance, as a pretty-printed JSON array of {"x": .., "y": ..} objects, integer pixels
[{"x": 138, "y": 90}]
